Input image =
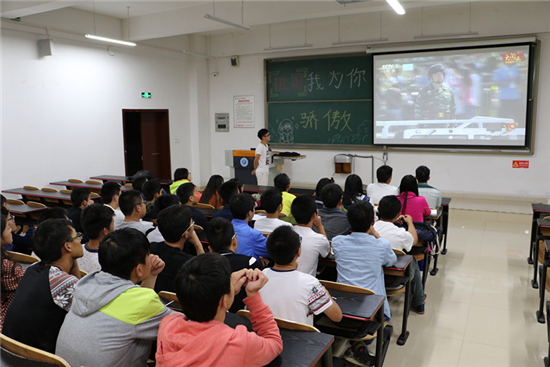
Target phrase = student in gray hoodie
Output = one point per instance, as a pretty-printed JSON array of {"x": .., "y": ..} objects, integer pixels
[{"x": 113, "y": 321}]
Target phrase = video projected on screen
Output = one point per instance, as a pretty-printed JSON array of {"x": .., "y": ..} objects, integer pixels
[{"x": 462, "y": 97}]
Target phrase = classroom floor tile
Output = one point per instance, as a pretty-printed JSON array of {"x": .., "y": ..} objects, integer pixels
[{"x": 481, "y": 308}]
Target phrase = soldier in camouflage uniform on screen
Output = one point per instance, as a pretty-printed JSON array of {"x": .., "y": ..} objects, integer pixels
[{"x": 436, "y": 101}]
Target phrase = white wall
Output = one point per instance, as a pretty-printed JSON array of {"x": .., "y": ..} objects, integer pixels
[
  {"x": 62, "y": 114},
  {"x": 458, "y": 173}
]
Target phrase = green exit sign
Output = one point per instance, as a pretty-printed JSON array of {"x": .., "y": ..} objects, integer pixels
[{"x": 146, "y": 95}]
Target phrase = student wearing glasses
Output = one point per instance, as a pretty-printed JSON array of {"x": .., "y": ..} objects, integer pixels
[
  {"x": 176, "y": 226},
  {"x": 45, "y": 293},
  {"x": 133, "y": 207}
]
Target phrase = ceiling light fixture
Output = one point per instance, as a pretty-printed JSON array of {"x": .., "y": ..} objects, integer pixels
[
  {"x": 110, "y": 40},
  {"x": 226, "y": 21},
  {"x": 397, "y": 7}
]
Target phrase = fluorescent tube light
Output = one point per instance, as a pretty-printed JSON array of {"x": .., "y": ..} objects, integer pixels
[
  {"x": 284, "y": 48},
  {"x": 359, "y": 42},
  {"x": 110, "y": 40},
  {"x": 445, "y": 35},
  {"x": 396, "y": 6},
  {"x": 225, "y": 21},
  {"x": 198, "y": 54}
]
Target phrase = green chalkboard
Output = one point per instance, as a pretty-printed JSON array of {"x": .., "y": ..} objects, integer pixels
[
  {"x": 325, "y": 100},
  {"x": 339, "y": 123}
]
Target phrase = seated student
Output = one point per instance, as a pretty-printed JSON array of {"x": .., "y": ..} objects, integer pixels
[
  {"x": 291, "y": 294},
  {"x": 221, "y": 239},
  {"x": 304, "y": 210},
  {"x": 210, "y": 195},
  {"x": 81, "y": 198},
  {"x": 181, "y": 176},
  {"x": 138, "y": 182},
  {"x": 11, "y": 271},
  {"x": 361, "y": 255},
  {"x": 25, "y": 246},
  {"x": 151, "y": 191},
  {"x": 188, "y": 195},
  {"x": 110, "y": 194},
  {"x": 377, "y": 191},
  {"x": 176, "y": 225},
  {"x": 162, "y": 203},
  {"x": 205, "y": 288},
  {"x": 19, "y": 243},
  {"x": 401, "y": 239},
  {"x": 272, "y": 203},
  {"x": 353, "y": 191},
  {"x": 227, "y": 191},
  {"x": 334, "y": 218},
  {"x": 132, "y": 206},
  {"x": 412, "y": 204},
  {"x": 45, "y": 293},
  {"x": 250, "y": 241},
  {"x": 97, "y": 221},
  {"x": 317, "y": 194},
  {"x": 432, "y": 195},
  {"x": 113, "y": 321},
  {"x": 284, "y": 183}
]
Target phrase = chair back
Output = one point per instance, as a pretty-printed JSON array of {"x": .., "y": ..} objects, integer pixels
[
  {"x": 15, "y": 202},
  {"x": 22, "y": 258},
  {"x": 93, "y": 182},
  {"x": 398, "y": 252},
  {"x": 345, "y": 287},
  {"x": 171, "y": 296},
  {"x": 83, "y": 273},
  {"x": 26, "y": 351},
  {"x": 261, "y": 211},
  {"x": 65, "y": 191},
  {"x": 128, "y": 185},
  {"x": 30, "y": 187},
  {"x": 75, "y": 180},
  {"x": 48, "y": 189},
  {"x": 204, "y": 206},
  {"x": 36, "y": 204},
  {"x": 284, "y": 324}
]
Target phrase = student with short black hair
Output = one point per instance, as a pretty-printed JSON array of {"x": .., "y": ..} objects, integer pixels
[
  {"x": 261, "y": 158},
  {"x": 272, "y": 203},
  {"x": 314, "y": 244},
  {"x": 222, "y": 239},
  {"x": 377, "y": 191},
  {"x": 189, "y": 196},
  {"x": 81, "y": 197},
  {"x": 432, "y": 195},
  {"x": 181, "y": 176},
  {"x": 110, "y": 194},
  {"x": 250, "y": 241},
  {"x": 133, "y": 207},
  {"x": 284, "y": 183},
  {"x": 360, "y": 255},
  {"x": 317, "y": 194},
  {"x": 97, "y": 221},
  {"x": 291, "y": 294},
  {"x": 138, "y": 182},
  {"x": 151, "y": 190},
  {"x": 45, "y": 293},
  {"x": 176, "y": 226},
  {"x": 334, "y": 218},
  {"x": 24, "y": 244},
  {"x": 227, "y": 191},
  {"x": 120, "y": 318},
  {"x": 403, "y": 240},
  {"x": 162, "y": 202},
  {"x": 205, "y": 288}
]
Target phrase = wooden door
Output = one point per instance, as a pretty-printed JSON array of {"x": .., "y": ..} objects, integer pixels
[{"x": 147, "y": 142}]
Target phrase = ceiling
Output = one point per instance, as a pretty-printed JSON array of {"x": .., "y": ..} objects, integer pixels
[{"x": 158, "y": 19}]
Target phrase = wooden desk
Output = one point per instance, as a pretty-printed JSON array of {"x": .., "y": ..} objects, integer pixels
[
  {"x": 542, "y": 288},
  {"x": 92, "y": 187},
  {"x": 359, "y": 309},
  {"x": 402, "y": 268},
  {"x": 125, "y": 179},
  {"x": 39, "y": 195},
  {"x": 539, "y": 210},
  {"x": 542, "y": 233}
]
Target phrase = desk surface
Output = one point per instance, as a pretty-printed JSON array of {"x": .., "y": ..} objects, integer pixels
[
  {"x": 445, "y": 201},
  {"x": 260, "y": 189},
  {"x": 112, "y": 178},
  {"x": 543, "y": 223},
  {"x": 357, "y": 305},
  {"x": 402, "y": 262},
  {"x": 24, "y": 209},
  {"x": 545, "y": 208},
  {"x": 84, "y": 184},
  {"x": 38, "y": 193}
]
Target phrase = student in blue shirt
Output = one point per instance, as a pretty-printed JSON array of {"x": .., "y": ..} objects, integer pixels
[{"x": 250, "y": 241}]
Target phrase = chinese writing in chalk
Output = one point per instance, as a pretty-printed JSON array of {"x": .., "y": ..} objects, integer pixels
[{"x": 336, "y": 120}]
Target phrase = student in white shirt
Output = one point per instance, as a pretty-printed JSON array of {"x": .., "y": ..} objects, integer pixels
[
  {"x": 97, "y": 220},
  {"x": 110, "y": 193},
  {"x": 133, "y": 207},
  {"x": 261, "y": 160},
  {"x": 272, "y": 203},
  {"x": 377, "y": 191},
  {"x": 432, "y": 195},
  {"x": 389, "y": 211},
  {"x": 304, "y": 210}
]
